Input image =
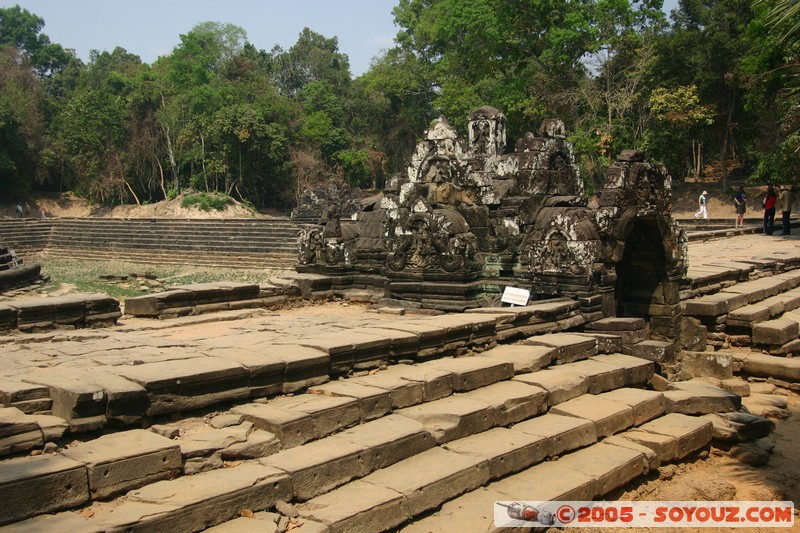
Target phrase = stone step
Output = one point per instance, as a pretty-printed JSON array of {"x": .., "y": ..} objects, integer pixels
[
  {"x": 589, "y": 473},
  {"x": 741, "y": 294}
]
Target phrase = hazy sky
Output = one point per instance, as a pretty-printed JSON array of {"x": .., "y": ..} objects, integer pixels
[{"x": 151, "y": 28}]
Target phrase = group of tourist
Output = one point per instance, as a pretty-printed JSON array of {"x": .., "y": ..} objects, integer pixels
[
  {"x": 24, "y": 210},
  {"x": 770, "y": 201}
]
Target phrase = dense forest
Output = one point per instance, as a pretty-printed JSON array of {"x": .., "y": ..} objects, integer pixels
[{"x": 709, "y": 90}]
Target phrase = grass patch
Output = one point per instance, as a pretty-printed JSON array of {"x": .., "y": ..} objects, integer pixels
[
  {"x": 75, "y": 275},
  {"x": 207, "y": 201}
]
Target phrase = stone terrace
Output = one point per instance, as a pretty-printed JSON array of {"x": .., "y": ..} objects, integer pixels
[
  {"x": 430, "y": 438},
  {"x": 235, "y": 243}
]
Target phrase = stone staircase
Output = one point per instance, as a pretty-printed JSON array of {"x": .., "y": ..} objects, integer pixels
[
  {"x": 370, "y": 453},
  {"x": 234, "y": 243}
]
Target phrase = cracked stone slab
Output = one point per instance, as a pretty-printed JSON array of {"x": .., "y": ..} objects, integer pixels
[
  {"x": 562, "y": 383},
  {"x": 452, "y": 418},
  {"x": 568, "y": 347},
  {"x": 512, "y": 401},
  {"x": 358, "y": 507},
  {"x": 691, "y": 433},
  {"x": 193, "y": 503},
  {"x": 119, "y": 462},
  {"x": 390, "y": 439},
  {"x": 601, "y": 376},
  {"x": 373, "y": 402},
  {"x": 210, "y": 440},
  {"x": 610, "y": 466},
  {"x": 646, "y": 404},
  {"x": 18, "y": 431},
  {"x": 563, "y": 433},
  {"x": 292, "y": 428},
  {"x": 699, "y": 398},
  {"x": 505, "y": 451},
  {"x": 637, "y": 371},
  {"x": 430, "y": 478},
  {"x": 470, "y": 373},
  {"x": 608, "y": 416},
  {"x": 435, "y": 383},
  {"x": 402, "y": 392},
  {"x": 322, "y": 465},
  {"x": 524, "y": 358}
]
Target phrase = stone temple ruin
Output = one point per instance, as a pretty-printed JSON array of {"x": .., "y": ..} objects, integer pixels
[{"x": 467, "y": 220}]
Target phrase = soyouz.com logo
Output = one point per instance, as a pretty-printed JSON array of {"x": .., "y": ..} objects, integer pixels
[{"x": 690, "y": 514}]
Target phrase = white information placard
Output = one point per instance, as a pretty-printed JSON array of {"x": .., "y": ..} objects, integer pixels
[{"x": 515, "y": 296}]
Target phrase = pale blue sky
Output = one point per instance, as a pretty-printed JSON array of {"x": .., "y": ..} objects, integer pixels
[{"x": 151, "y": 28}]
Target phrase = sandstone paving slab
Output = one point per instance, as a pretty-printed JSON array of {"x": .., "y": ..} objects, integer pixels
[
  {"x": 258, "y": 444},
  {"x": 347, "y": 348},
  {"x": 358, "y": 507},
  {"x": 262, "y": 522},
  {"x": 18, "y": 431},
  {"x": 40, "y": 484},
  {"x": 64, "y": 521},
  {"x": 373, "y": 402},
  {"x": 761, "y": 365},
  {"x": 194, "y": 503},
  {"x": 562, "y": 383},
  {"x": 209, "y": 440},
  {"x": 616, "y": 324},
  {"x": 305, "y": 367},
  {"x": 608, "y": 416},
  {"x": 402, "y": 392},
  {"x": 606, "y": 342},
  {"x": 328, "y": 413},
  {"x": 637, "y": 371},
  {"x": 390, "y": 439},
  {"x": 512, "y": 401},
  {"x": 119, "y": 462},
  {"x": 696, "y": 397},
  {"x": 322, "y": 465},
  {"x": 691, "y": 433},
  {"x": 505, "y": 451},
  {"x": 291, "y": 427},
  {"x": 435, "y": 383},
  {"x": 664, "y": 446},
  {"x": 183, "y": 385},
  {"x": 402, "y": 344},
  {"x": 524, "y": 358},
  {"x": 52, "y": 427},
  {"x": 716, "y": 304},
  {"x": 548, "y": 481},
  {"x": 473, "y": 511},
  {"x": 470, "y": 373},
  {"x": 651, "y": 458},
  {"x": 72, "y": 397},
  {"x": 13, "y": 391},
  {"x": 776, "y": 331},
  {"x": 766, "y": 405},
  {"x": 432, "y": 477},
  {"x": 266, "y": 373},
  {"x": 568, "y": 347},
  {"x": 452, "y": 418},
  {"x": 600, "y": 376},
  {"x": 563, "y": 433},
  {"x": 646, "y": 404},
  {"x": 652, "y": 350},
  {"x": 126, "y": 400},
  {"x": 610, "y": 466},
  {"x": 431, "y": 336}
]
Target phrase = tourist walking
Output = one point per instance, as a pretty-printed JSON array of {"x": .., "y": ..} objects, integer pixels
[
  {"x": 741, "y": 206},
  {"x": 785, "y": 199},
  {"x": 769, "y": 210},
  {"x": 42, "y": 211},
  {"x": 701, "y": 203},
  {"x": 19, "y": 210}
]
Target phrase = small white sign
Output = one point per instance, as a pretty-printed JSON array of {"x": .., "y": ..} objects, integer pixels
[{"x": 515, "y": 296}]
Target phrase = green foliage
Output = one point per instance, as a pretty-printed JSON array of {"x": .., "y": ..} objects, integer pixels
[{"x": 207, "y": 201}]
